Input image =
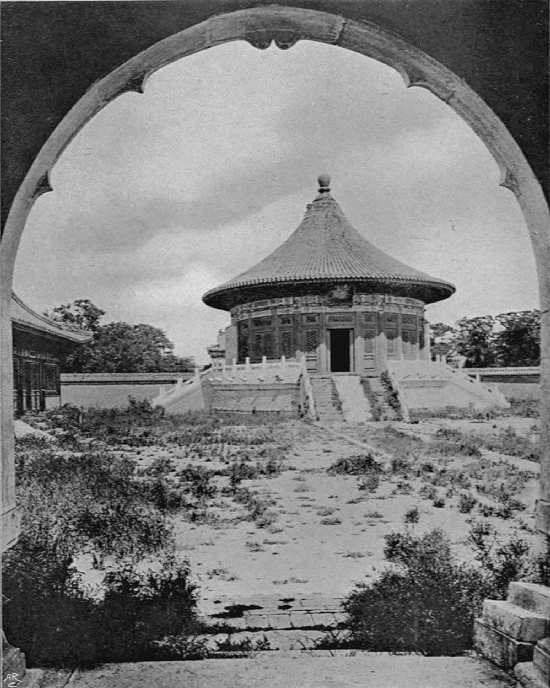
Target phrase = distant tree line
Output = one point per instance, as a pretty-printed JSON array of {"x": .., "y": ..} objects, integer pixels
[
  {"x": 117, "y": 347},
  {"x": 508, "y": 339}
]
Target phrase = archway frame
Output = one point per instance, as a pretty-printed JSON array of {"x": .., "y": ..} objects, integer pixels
[{"x": 261, "y": 26}]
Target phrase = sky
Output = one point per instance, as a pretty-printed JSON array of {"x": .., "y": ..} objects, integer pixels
[{"x": 165, "y": 195}]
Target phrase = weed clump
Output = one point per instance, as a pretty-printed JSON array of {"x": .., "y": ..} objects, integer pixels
[{"x": 360, "y": 464}]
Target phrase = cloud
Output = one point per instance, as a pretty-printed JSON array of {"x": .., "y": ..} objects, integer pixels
[{"x": 165, "y": 195}]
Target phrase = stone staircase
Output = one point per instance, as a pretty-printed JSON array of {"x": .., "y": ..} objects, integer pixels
[
  {"x": 514, "y": 633},
  {"x": 293, "y": 622},
  {"x": 377, "y": 395},
  {"x": 327, "y": 403},
  {"x": 355, "y": 405}
]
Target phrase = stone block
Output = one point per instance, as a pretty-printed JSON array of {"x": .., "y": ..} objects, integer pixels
[
  {"x": 529, "y": 677},
  {"x": 499, "y": 648},
  {"x": 541, "y": 658},
  {"x": 517, "y": 622},
  {"x": 301, "y": 620},
  {"x": 531, "y": 596},
  {"x": 13, "y": 661},
  {"x": 279, "y": 621}
]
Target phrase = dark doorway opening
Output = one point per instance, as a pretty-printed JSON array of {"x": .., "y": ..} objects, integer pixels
[{"x": 340, "y": 359}]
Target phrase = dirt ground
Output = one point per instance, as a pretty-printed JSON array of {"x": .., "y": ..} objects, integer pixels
[{"x": 326, "y": 534}]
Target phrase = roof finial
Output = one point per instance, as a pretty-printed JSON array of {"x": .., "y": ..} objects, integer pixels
[{"x": 324, "y": 183}]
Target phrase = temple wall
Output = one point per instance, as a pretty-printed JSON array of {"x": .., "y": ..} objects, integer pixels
[
  {"x": 380, "y": 327},
  {"x": 112, "y": 390}
]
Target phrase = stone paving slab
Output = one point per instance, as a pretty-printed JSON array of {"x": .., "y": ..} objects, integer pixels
[
  {"x": 305, "y": 611},
  {"x": 297, "y": 670}
]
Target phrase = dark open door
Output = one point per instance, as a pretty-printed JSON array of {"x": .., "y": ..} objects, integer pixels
[{"x": 340, "y": 346}]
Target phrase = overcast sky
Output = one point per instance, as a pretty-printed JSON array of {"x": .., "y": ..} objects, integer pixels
[{"x": 162, "y": 196}]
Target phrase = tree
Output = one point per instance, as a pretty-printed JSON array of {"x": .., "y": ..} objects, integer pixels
[
  {"x": 117, "y": 347},
  {"x": 442, "y": 338},
  {"x": 518, "y": 343},
  {"x": 475, "y": 341},
  {"x": 82, "y": 313}
]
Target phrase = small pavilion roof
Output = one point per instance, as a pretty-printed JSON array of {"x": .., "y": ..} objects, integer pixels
[
  {"x": 24, "y": 318},
  {"x": 326, "y": 248}
]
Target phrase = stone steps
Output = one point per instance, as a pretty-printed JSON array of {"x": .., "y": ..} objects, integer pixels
[
  {"x": 531, "y": 596},
  {"x": 327, "y": 402},
  {"x": 355, "y": 405},
  {"x": 377, "y": 393},
  {"x": 299, "y": 625},
  {"x": 513, "y": 633},
  {"x": 519, "y": 623}
]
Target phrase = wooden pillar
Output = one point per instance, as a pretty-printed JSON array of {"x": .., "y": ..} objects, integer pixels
[
  {"x": 323, "y": 362},
  {"x": 381, "y": 343},
  {"x": 425, "y": 353},
  {"x": 359, "y": 349},
  {"x": 276, "y": 335},
  {"x": 399, "y": 351}
]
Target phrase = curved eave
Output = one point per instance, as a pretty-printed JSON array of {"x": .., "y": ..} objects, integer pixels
[
  {"x": 25, "y": 319},
  {"x": 230, "y": 295}
]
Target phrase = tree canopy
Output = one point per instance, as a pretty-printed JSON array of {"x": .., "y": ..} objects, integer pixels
[
  {"x": 507, "y": 339},
  {"x": 117, "y": 347}
]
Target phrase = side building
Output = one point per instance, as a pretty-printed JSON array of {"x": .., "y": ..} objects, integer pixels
[{"x": 40, "y": 346}]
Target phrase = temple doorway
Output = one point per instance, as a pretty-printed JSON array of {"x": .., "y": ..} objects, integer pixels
[{"x": 340, "y": 351}]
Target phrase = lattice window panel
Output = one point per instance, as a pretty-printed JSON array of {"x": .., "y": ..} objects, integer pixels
[
  {"x": 242, "y": 337},
  {"x": 408, "y": 322},
  {"x": 370, "y": 336},
  {"x": 312, "y": 340},
  {"x": 261, "y": 322},
  {"x": 267, "y": 349},
  {"x": 391, "y": 338},
  {"x": 286, "y": 344}
]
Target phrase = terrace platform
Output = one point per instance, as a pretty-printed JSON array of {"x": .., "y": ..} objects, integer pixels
[{"x": 310, "y": 669}]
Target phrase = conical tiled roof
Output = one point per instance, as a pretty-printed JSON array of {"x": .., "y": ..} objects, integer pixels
[{"x": 326, "y": 248}]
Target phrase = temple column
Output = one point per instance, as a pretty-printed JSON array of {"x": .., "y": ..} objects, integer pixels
[
  {"x": 323, "y": 348},
  {"x": 425, "y": 353},
  {"x": 276, "y": 335},
  {"x": 381, "y": 343},
  {"x": 399, "y": 351}
]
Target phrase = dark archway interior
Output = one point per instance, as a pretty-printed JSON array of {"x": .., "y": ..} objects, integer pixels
[{"x": 43, "y": 41}]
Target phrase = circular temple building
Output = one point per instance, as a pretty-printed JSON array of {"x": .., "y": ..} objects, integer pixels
[{"x": 330, "y": 295}]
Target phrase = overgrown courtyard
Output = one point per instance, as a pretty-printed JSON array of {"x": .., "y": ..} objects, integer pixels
[{"x": 156, "y": 522}]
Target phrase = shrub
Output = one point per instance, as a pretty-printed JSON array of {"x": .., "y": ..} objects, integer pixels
[
  {"x": 355, "y": 465},
  {"x": 438, "y": 502},
  {"x": 507, "y": 441},
  {"x": 503, "y": 562},
  {"x": 412, "y": 515},
  {"x": 369, "y": 482},
  {"x": 450, "y": 442},
  {"x": 527, "y": 408},
  {"x": 400, "y": 464},
  {"x": 426, "y": 603},
  {"x": 466, "y": 502},
  {"x": 74, "y": 503},
  {"x": 403, "y": 487},
  {"x": 141, "y": 608},
  {"x": 49, "y": 617},
  {"x": 428, "y": 492},
  {"x": 197, "y": 481},
  {"x": 256, "y": 506}
]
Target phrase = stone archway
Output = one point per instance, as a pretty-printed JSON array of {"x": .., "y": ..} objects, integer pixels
[{"x": 284, "y": 26}]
